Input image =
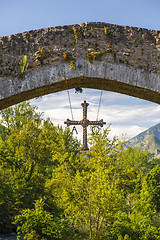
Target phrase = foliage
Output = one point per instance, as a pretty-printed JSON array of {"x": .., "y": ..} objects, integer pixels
[
  {"x": 78, "y": 90},
  {"x": 23, "y": 65},
  {"x": 91, "y": 56},
  {"x": 9, "y": 39},
  {"x": 66, "y": 56},
  {"x": 39, "y": 224},
  {"x": 107, "y": 193},
  {"x": 143, "y": 36},
  {"x": 72, "y": 64},
  {"x": 150, "y": 195},
  {"x": 105, "y": 30},
  {"x": 75, "y": 34},
  {"x": 36, "y": 224},
  {"x": 26, "y": 163},
  {"x": 101, "y": 188},
  {"x": 40, "y": 55}
]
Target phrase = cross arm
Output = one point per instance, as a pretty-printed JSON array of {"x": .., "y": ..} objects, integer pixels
[
  {"x": 98, "y": 123},
  {"x": 71, "y": 122}
]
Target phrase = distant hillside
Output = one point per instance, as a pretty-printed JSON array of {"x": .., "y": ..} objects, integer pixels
[
  {"x": 151, "y": 144},
  {"x": 155, "y": 130},
  {"x": 148, "y": 140}
]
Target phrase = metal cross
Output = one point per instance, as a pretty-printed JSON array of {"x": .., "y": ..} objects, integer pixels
[{"x": 84, "y": 123}]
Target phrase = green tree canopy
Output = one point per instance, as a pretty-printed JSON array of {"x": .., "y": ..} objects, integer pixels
[{"x": 107, "y": 193}]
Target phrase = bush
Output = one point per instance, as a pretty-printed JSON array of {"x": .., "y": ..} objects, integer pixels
[
  {"x": 39, "y": 224},
  {"x": 36, "y": 224}
]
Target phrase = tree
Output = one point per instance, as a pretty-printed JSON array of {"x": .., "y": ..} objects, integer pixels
[
  {"x": 108, "y": 193},
  {"x": 39, "y": 224},
  {"x": 100, "y": 189},
  {"x": 26, "y": 152},
  {"x": 88, "y": 183},
  {"x": 36, "y": 224},
  {"x": 150, "y": 194}
]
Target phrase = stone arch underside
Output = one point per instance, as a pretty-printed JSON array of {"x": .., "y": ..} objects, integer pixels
[{"x": 92, "y": 55}]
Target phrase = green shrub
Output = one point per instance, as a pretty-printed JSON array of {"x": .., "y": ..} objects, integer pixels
[
  {"x": 39, "y": 224},
  {"x": 36, "y": 224},
  {"x": 23, "y": 64}
]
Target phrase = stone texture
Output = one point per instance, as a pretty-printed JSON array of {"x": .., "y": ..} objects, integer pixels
[{"x": 122, "y": 59}]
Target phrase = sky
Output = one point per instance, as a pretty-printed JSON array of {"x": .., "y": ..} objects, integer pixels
[{"x": 127, "y": 115}]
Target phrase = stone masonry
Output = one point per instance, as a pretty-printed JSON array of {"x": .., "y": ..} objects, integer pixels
[{"x": 92, "y": 55}]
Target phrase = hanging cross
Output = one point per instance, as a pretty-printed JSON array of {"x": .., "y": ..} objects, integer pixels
[{"x": 84, "y": 123}]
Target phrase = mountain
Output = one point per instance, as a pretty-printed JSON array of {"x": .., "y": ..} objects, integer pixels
[
  {"x": 148, "y": 140},
  {"x": 151, "y": 144},
  {"x": 155, "y": 130}
]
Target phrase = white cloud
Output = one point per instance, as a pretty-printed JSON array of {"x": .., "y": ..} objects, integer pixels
[
  {"x": 127, "y": 114},
  {"x": 126, "y": 131}
]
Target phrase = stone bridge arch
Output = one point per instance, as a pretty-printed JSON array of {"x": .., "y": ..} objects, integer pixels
[{"x": 92, "y": 55}]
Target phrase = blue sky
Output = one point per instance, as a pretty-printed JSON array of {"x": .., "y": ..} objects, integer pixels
[
  {"x": 124, "y": 112},
  {"x": 18, "y": 16}
]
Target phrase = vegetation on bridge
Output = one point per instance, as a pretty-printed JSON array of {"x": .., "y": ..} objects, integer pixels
[{"x": 50, "y": 189}]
